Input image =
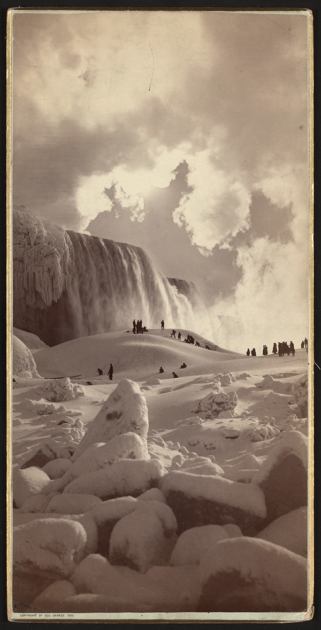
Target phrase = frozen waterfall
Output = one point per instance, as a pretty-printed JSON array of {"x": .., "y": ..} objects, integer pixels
[{"x": 69, "y": 285}]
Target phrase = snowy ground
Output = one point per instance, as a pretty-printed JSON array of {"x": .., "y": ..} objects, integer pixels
[{"x": 219, "y": 484}]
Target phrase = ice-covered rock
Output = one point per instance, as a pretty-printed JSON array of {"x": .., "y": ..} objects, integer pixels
[
  {"x": 52, "y": 595},
  {"x": 289, "y": 531},
  {"x": 194, "y": 542},
  {"x": 50, "y": 545},
  {"x": 283, "y": 476},
  {"x": 300, "y": 394},
  {"x": 60, "y": 389},
  {"x": 104, "y": 518},
  {"x": 125, "y": 477},
  {"x": 143, "y": 538},
  {"x": 198, "y": 500},
  {"x": 26, "y": 483},
  {"x": 154, "y": 494},
  {"x": 214, "y": 403},
  {"x": 125, "y": 411},
  {"x": 23, "y": 363},
  {"x": 37, "y": 503},
  {"x": 56, "y": 468},
  {"x": 251, "y": 575},
  {"x": 75, "y": 504}
]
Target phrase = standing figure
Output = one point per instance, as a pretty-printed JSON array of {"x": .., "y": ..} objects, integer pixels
[
  {"x": 173, "y": 333},
  {"x": 292, "y": 350},
  {"x": 248, "y": 352},
  {"x": 161, "y": 370},
  {"x": 179, "y": 336},
  {"x": 274, "y": 349},
  {"x": 134, "y": 327},
  {"x": 253, "y": 352},
  {"x": 162, "y": 324},
  {"x": 302, "y": 344},
  {"x": 111, "y": 372}
]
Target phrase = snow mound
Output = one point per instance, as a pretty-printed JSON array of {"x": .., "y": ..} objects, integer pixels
[
  {"x": 53, "y": 594},
  {"x": 26, "y": 483},
  {"x": 125, "y": 477},
  {"x": 214, "y": 403},
  {"x": 194, "y": 542},
  {"x": 300, "y": 394},
  {"x": 23, "y": 363},
  {"x": 57, "y": 467},
  {"x": 36, "y": 503},
  {"x": 125, "y": 411},
  {"x": 48, "y": 544},
  {"x": 60, "y": 389},
  {"x": 247, "y": 574}
]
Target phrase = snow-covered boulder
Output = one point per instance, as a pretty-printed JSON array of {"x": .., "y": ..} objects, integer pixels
[
  {"x": 198, "y": 500},
  {"x": 216, "y": 402},
  {"x": 125, "y": 411},
  {"x": 75, "y": 504},
  {"x": 289, "y": 531},
  {"x": 53, "y": 595},
  {"x": 57, "y": 467},
  {"x": 194, "y": 542},
  {"x": 26, "y": 483},
  {"x": 97, "y": 456},
  {"x": 29, "y": 339},
  {"x": 144, "y": 538},
  {"x": 105, "y": 516},
  {"x": 283, "y": 476},
  {"x": 49, "y": 450},
  {"x": 37, "y": 503},
  {"x": 23, "y": 363},
  {"x": 251, "y": 575},
  {"x": 57, "y": 390},
  {"x": 154, "y": 494},
  {"x": 125, "y": 477},
  {"x": 48, "y": 544},
  {"x": 300, "y": 394}
]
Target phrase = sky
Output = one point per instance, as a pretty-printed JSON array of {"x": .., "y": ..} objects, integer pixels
[{"x": 185, "y": 133}]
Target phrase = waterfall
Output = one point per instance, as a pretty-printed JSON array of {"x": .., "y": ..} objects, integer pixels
[{"x": 69, "y": 285}]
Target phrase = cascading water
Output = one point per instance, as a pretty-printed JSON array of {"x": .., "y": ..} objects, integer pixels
[{"x": 69, "y": 285}]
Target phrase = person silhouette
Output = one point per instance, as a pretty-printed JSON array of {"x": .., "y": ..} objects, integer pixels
[
  {"x": 100, "y": 372},
  {"x": 111, "y": 372}
]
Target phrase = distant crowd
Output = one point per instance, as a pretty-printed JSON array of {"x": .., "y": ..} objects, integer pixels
[{"x": 282, "y": 348}]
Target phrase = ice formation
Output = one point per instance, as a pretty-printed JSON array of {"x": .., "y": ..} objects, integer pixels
[{"x": 23, "y": 363}]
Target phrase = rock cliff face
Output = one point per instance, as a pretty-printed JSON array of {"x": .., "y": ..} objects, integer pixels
[{"x": 69, "y": 285}]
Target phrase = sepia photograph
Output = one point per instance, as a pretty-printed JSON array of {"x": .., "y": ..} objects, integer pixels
[{"x": 160, "y": 331}]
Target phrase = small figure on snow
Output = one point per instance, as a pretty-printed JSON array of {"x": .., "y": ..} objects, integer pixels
[
  {"x": 173, "y": 333},
  {"x": 302, "y": 344},
  {"x": 179, "y": 336},
  {"x": 134, "y": 327},
  {"x": 253, "y": 352},
  {"x": 174, "y": 375},
  {"x": 197, "y": 343},
  {"x": 275, "y": 350},
  {"x": 111, "y": 372},
  {"x": 292, "y": 349},
  {"x": 161, "y": 371},
  {"x": 265, "y": 351},
  {"x": 183, "y": 365},
  {"x": 162, "y": 324},
  {"x": 248, "y": 352},
  {"x": 100, "y": 372}
]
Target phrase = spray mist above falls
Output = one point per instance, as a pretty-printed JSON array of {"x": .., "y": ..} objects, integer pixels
[{"x": 69, "y": 285}]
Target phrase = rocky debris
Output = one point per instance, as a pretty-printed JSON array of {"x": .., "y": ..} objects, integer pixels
[
  {"x": 75, "y": 504},
  {"x": 56, "y": 468},
  {"x": 26, "y": 483},
  {"x": 214, "y": 403},
  {"x": 194, "y": 542},
  {"x": 144, "y": 538},
  {"x": 251, "y": 575},
  {"x": 125, "y": 411},
  {"x": 283, "y": 476},
  {"x": 198, "y": 500},
  {"x": 289, "y": 531},
  {"x": 300, "y": 394},
  {"x": 59, "y": 390},
  {"x": 23, "y": 363}
]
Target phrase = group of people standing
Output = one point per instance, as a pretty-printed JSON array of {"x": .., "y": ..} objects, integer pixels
[
  {"x": 304, "y": 344},
  {"x": 251, "y": 352},
  {"x": 110, "y": 372},
  {"x": 138, "y": 327},
  {"x": 281, "y": 349}
]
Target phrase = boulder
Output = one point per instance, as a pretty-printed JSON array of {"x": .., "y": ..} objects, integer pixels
[
  {"x": 75, "y": 504},
  {"x": 125, "y": 477},
  {"x": 23, "y": 363},
  {"x": 56, "y": 468},
  {"x": 194, "y": 542},
  {"x": 26, "y": 483},
  {"x": 251, "y": 575},
  {"x": 144, "y": 538},
  {"x": 283, "y": 476},
  {"x": 105, "y": 516},
  {"x": 37, "y": 503},
  {"x": 125, "y": 411},
  {"x": 289, "y": 531},
  {"x": 198, "y": 500}
]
